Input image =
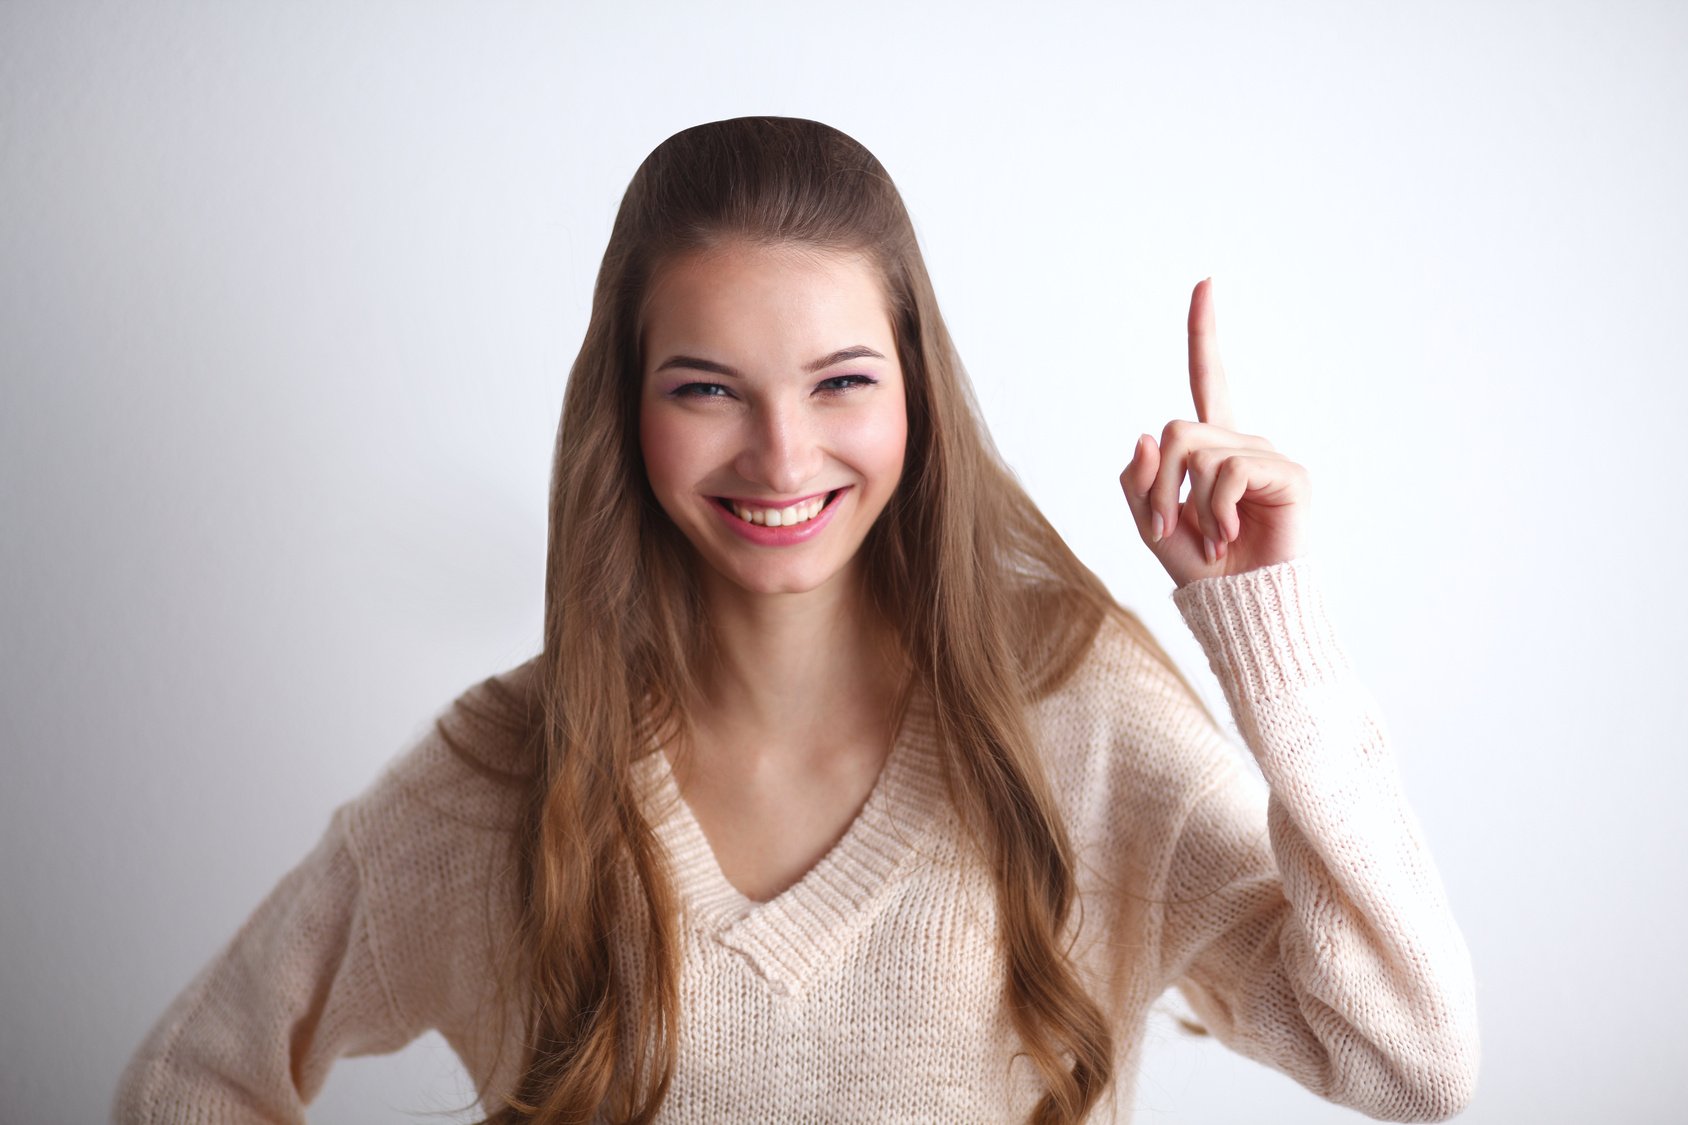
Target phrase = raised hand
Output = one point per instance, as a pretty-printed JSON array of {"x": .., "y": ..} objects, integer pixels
[{"x": 1248, "y": 503}]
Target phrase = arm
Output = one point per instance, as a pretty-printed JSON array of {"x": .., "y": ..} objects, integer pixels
[
  {"x": 252, "y": 1038},
  {"x": 1323, "y": 946},
  {"x": 381, "y": 933}
]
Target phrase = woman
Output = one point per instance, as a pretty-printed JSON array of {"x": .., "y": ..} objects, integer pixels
[{"x": 841, "y": 790}]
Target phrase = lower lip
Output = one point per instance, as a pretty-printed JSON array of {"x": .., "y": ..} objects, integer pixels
[{"x": 764, "y": 536}]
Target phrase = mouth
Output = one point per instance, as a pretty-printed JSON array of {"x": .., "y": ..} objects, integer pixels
[{"x": 792, "y": 515}]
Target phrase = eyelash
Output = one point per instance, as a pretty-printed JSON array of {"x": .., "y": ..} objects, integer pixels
[{"x": 707, "y": 390}]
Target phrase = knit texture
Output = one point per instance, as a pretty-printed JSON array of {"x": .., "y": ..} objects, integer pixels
[{"x": 1294, "y": 905}]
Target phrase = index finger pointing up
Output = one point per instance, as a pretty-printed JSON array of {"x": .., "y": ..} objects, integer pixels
[{"x": 1207, "y": 374}]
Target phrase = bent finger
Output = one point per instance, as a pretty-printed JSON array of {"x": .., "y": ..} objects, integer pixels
[
  {"x": 1136, "y": 481},
  {"x": 1176, "y": 442},
  {"x": 1204, "y": 465},
  {"x": 1273, "y": 477}
]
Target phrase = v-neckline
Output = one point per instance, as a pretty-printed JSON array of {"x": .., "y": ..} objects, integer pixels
[{"x": 790, "y": 936}]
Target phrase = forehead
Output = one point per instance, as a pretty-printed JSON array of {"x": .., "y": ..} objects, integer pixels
[{"x": 779, "y": 303}]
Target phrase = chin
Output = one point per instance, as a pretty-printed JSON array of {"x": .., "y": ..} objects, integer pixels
[
  {"x": 767, "y": 576},
  {"x": 771, "y": 581}
]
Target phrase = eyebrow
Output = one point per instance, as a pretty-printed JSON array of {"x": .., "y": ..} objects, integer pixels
[{"x": 826, "y": 361}]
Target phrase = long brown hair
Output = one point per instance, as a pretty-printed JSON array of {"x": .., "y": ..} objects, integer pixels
[{"x": 992, "y": 608}]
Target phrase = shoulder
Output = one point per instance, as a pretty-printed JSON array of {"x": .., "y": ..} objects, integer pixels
[
  {"x": 1126, "y": 731},
  {"x": 470, "y": 763},
  {"x": 433, "y": 841},
  {"x": 441, "y": 817},
  {"x": 1124, "y": 682}
]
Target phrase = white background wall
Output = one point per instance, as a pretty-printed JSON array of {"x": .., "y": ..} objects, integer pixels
[{"x": 288, "y": 293}]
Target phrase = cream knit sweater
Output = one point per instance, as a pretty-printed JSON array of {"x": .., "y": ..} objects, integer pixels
[{"x": 1303, "y": 919}]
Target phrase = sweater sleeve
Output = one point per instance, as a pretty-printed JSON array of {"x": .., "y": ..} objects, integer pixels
[
  {"x": 1323, "y": 945},
  {"x": 252, "y": 1037}
]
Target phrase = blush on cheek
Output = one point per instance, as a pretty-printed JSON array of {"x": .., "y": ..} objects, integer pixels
[
  {"x": 658, "y": 447},
  {"x": 881, "y": 442},
  {"x": 682, "y": 449}
]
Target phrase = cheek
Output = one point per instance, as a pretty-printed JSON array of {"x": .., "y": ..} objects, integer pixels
[
  {"x": 662, "y": 451},
  {"x": 895, "y": 448},
  {"x": 681, "y": 448},
  {"x": 880, "y": 444}
]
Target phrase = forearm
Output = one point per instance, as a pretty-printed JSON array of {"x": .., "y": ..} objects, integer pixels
[{"x": 1331, "y": 953}]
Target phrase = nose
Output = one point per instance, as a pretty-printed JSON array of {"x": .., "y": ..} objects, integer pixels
[{"x": 781, "y": 452}]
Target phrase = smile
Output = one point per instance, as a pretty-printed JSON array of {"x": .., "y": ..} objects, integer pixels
[
  {"x": 785, "y": 526},
  {"x": 790, "y": 516}
]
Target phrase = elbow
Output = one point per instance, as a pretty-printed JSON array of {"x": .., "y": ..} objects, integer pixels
[
  {"x": 1442, "y": 1099},
  {"x": 1454, "y": 1086},
  {"x": 1437, "y": 1095},
  {"x": 1427, "y": 1073},
  {"x": 1440, "y": 1087}
]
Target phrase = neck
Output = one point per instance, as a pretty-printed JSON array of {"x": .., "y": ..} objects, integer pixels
[{"x": 798, "y": 670}]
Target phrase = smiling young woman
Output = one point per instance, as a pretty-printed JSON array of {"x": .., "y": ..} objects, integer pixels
[{"x": 841, "y": 790}]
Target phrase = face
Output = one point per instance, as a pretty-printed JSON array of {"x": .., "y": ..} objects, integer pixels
[{"x": 771, "y": 414}]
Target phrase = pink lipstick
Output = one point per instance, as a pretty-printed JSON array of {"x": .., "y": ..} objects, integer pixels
[{"x": 764, "y": 536}]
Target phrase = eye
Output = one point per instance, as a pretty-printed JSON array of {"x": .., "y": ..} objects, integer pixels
[
  {"x": 701, "y": 390},
  {"x": 841, "y": 384}
]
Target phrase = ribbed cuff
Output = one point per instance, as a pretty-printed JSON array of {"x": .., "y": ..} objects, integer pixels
[{"x": 1265, "y": 631}]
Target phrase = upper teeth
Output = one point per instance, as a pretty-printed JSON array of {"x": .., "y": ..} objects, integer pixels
[{"x": 780, "y": 517}]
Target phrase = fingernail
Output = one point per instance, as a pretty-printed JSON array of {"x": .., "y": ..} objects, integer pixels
[
  {"x": 1209, "y": 549},
  {"x": 1158, "y": 527}
]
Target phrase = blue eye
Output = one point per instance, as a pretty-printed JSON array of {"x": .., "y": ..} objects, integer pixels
[
  {"x": 701, "y": 390},
  {"x": 841, "y": 383}
]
